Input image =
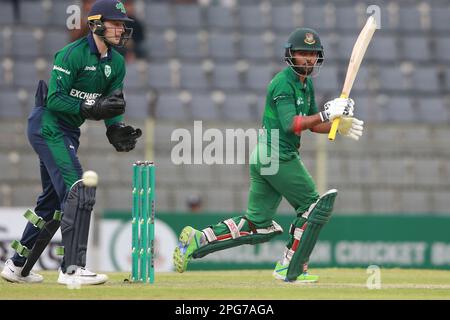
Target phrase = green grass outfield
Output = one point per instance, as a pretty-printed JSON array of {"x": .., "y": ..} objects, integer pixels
[{"x": 245, "y": 284}]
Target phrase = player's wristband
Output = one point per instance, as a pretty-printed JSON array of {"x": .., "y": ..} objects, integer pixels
[
  {"x": 297, "y": 125},
  {"x": 324, "y": 116}
]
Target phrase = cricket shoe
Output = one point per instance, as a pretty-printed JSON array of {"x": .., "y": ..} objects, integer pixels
[
  {"x": 11, "y": 273},
  {"x": 189, "y": 241},
  {"x": 280, "y": 273},
  {"x": 81, "y": 276}
]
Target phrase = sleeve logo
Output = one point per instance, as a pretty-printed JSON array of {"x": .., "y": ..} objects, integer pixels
[{"x": 61, "y": 69}]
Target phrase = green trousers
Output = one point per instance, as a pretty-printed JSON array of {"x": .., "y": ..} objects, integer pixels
[{"x": 292, "y": 181}]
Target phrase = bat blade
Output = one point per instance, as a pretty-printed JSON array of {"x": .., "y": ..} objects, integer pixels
[{"x": 359, "y": 49}]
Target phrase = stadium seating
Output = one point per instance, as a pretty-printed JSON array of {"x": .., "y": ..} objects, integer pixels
[
  {"x": 203, "y": 107},
  {"x": 282, "y": 18},
  {"x": 218, "y": 17},
  {"x": 158, "y": 15},
  {"x": 416, "y": 48},
  {"x": 193, "y": 77},
  {"x": 213, "y": 62},
  {"x": 236, "y": 107},
  {"x": 189, "y": 45},
  {"x": 34, "y": 13},
  {"x": 409, "y": 19},
  {"x": 226, "y": 77},
  {"x": 439, "y": 17},
  {"x": 14, "y": 111},
  {"x": 222, "y": 46},
  {"x": 188, "y": 17},
  {"x": 6, "y": 14},
  {"x": 251, "y": 18}
]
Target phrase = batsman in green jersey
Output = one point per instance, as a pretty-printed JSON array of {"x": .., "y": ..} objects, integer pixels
[
  {"x": 85, "y": 84},
  {"x": 290, "y": 108}
]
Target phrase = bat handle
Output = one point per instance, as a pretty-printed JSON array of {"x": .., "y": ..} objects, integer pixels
[
  {"x": 333, "y": 130},
  {"x": 335, "y": 125}
]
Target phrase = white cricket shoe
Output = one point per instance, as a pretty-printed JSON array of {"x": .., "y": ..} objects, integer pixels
[
  {"x": 12, "y": 273},
  {"x": 82, "y": 276}
]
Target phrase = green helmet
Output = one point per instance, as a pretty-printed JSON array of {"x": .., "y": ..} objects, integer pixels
[{"x": 304, "y": 39}]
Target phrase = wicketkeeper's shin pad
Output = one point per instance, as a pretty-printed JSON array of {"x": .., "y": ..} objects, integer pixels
[
  {"x": 305, "y": 231},
  {"x": 75, "y": 224},
  {"x": 47, "y": 231},
  {"x": 238, "y": 231}
]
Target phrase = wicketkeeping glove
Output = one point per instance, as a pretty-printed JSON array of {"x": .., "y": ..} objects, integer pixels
[
  {"x": 351, "y": 128},
  {"x": 103, "y": 107},
  {"x": 123, "y": 137},
  {"x": 337, "y": 108}
]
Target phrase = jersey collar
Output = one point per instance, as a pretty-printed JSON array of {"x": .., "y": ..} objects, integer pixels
[
  {"x": 294, "y": 77},
  {"x": 94, "y": 49}
]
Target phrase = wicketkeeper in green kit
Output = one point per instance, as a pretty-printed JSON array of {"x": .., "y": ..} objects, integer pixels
[
  {"x": 290, "y": 108},
  {"x": 86, "y": 83}
]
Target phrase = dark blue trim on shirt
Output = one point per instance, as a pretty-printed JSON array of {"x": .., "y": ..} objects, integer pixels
[{"x": 94, "y": 49}]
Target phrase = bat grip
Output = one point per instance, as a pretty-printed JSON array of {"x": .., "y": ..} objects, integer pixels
[
  {"x": 333, "y": 130},
  {"x": 335, "y": 125}
]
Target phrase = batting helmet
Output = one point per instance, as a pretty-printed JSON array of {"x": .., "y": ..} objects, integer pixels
[
  {"x": 303, "y": 39},
  {"x": 113, "y": 10}
]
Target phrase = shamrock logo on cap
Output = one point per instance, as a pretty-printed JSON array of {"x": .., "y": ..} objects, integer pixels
[{"x": 121, "y": 7}]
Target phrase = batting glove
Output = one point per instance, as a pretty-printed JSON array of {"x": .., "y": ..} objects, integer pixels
[
  {"x": 351, "y": 128},
  {"x": 337, "y": 108}
]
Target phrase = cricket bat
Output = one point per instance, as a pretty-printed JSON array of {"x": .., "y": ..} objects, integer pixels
[{"x": 359, "y": 49}]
